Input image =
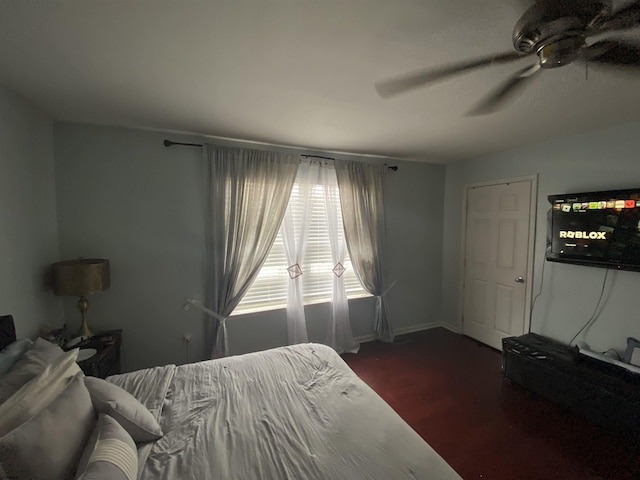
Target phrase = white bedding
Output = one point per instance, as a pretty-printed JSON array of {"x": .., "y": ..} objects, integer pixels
[
  {"x": 295, "y": 412},
  {"x": 150, "y": 386}
]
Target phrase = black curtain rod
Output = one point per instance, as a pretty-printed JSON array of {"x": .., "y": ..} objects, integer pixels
[
  {"x": 171, "y": 143},
  {"x": 317, "y": 156}
]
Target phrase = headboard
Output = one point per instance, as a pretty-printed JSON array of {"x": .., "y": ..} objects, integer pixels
[{"x": 7, "y": 331}]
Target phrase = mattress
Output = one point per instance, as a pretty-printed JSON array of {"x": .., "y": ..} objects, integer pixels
[{"x": 296, "y": 412}]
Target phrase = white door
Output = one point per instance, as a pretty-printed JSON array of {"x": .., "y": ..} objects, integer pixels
[{"x": 498, "y": 240}]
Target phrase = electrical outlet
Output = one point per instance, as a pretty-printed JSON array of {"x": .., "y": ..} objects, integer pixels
[{"x": 186, "y": 337}]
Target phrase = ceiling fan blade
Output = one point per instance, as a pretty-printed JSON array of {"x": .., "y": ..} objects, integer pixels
[
  {"x": 506, "y": 91},
  {"x": 626, "y": 17},
  {"x": 524, "y": 4},
  {"x": 419, "y": 78},
  {"x": 613, "y": 53}
]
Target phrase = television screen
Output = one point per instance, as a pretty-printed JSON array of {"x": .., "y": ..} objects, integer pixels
[{"x": 601, "y": 229}]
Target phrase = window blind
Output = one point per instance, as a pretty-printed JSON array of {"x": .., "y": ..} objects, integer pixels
[{"x": 269, "y": 290}]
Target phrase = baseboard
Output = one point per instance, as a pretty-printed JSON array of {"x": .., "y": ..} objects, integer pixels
[
  {"x": 450, "y": 327},
  {"x": 410, "y": 329}
]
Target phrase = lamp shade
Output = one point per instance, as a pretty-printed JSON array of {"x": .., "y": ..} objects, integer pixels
[{"x": 81, "y": 277}]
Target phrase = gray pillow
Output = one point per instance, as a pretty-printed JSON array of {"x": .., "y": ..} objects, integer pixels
[
  {"x": 30, "y": 365},
  {"x": 12, "y": 353},
  {"x": 136, "y": 419},
  {"x": 110, "y": 454},
  {"x": 50, "y": 444}
]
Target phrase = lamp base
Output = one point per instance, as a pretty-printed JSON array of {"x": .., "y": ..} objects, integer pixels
[
  {"x": 84, "y": 331},
  {"x": 83, "y": 306}
]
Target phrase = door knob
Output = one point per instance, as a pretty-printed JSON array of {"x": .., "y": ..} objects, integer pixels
[{"x": 519, "y": 280}]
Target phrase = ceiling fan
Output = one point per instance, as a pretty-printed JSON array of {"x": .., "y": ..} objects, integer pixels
[{"x": 556, "y": 31}]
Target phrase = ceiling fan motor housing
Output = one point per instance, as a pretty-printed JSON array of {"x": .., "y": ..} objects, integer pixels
[
  {"x": 545, "y": 26},
  {"x": 561, "y": 52}
]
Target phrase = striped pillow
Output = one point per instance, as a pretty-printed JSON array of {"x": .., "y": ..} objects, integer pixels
[{"x": 110, "y": 454}]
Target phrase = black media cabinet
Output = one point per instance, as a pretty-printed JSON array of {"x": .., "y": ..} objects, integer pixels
[{"x": 606, "y": 394}]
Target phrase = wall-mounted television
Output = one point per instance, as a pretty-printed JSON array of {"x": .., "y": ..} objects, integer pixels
[{"x": 600, "y": 229}]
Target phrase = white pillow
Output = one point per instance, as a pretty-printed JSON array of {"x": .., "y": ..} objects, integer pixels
[
  {"x": 41, "y": 354},
  {"x": 12, "y": 353},
  {"x": 49, "y": 445},
  {"x": 36, "y": 394},
  {"x": 136, "y": 419},
  {"x": 30, "y": 365}
]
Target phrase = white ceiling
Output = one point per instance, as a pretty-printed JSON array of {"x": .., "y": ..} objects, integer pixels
[{"x": 295, "y": 72}]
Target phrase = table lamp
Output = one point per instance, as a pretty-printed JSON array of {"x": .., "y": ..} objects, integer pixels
[{"x": 80, "y": 278}]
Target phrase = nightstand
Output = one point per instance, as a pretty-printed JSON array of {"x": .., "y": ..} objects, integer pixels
[{"x": 106, "y": 361}]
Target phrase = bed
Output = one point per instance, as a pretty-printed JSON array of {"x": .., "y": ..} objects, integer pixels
[{"x": 296, "y": 412}]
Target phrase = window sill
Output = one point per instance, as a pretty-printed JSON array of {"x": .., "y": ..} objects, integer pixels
[{"x": 251, "y": 311}]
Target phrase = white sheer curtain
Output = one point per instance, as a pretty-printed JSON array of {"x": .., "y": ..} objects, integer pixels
[
  {"x": 295, "y": 228},
  {"x": 361, "y": 200},
  {"x": 248, "y": 192},
  {"x": 315, "y": 185},
  {"x": 339, "y": 335}
]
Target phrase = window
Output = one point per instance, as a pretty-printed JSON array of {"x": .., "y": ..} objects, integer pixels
[{"x": 269, "y": 290}]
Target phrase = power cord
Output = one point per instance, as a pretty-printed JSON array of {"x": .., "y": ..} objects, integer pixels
[
  {"x": 595, "y": 310},
  {"x": 186, "y": 338},
  {"x": 533, "y": 303},
  {"x": 615, "y": 352}
]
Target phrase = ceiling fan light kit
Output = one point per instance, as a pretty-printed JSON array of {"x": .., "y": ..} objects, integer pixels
[{"x": 556, "y": 32}]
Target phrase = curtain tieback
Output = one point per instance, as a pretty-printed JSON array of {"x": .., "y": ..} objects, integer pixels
[
  {"x": 294, "y": 271},
  {"x": 338, "y": 270},
  {"x": 196, "y": 303},
  {"x": 387, "y": 290}
]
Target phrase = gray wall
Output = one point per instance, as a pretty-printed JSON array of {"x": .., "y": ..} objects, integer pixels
[
  {"x": 124, "y": 196},
  {"x": 606, "y": 159},
  {"x": 28, "y": 229}
]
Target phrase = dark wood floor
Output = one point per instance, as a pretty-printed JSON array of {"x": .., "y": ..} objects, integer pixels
[{"x": 450, "y": 389}]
